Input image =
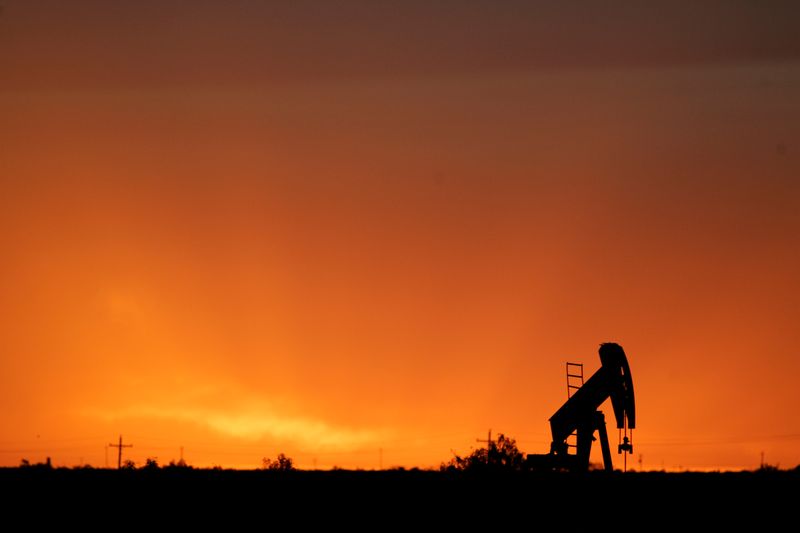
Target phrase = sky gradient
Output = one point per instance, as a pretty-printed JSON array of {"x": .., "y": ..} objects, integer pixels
[{"x": 248, "y": 228}]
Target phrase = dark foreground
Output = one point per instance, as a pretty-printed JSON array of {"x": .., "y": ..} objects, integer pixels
[{"x": 405, "y": 499}]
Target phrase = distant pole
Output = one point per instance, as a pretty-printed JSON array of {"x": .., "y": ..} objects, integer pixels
[
  {"x": 488, "y": 442},
  {"x": 119, "y": 451},
  {"x": 641, "y": 458},
  {"x": 762, "y": 460}
]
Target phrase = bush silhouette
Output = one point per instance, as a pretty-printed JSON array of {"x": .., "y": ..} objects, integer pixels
[
  {"x": 281, "y": 464},
  {"x": 502, "y": 455},
  {"x": 180, "y": 463},
  {"x": 47, "y": 465}
]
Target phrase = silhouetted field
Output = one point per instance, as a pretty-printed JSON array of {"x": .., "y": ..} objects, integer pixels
[{"x": 406, "y": 498}]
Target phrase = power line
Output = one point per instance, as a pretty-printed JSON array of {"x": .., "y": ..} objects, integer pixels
[
  {"x": 720, "y": 441},
  {"x": 400, "y": 445}
]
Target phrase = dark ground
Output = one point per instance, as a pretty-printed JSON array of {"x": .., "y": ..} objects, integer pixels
[{"x": 236, "y": 500}]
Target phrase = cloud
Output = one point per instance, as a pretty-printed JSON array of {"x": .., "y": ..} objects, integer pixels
[
  {"x": 258, "y": 423},
  {"x": 246, "y": 42}
]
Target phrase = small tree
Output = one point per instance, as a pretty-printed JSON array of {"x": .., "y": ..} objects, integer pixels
[
  {"x": 501, "y": 455},
  {"x": 151, "y": 463},
  {"x": 281, "y": 464},
  {"x": 180, "y": 463}
]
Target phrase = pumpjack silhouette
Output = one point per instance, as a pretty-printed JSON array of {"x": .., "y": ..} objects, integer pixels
[{"x": 580, "y": 415}]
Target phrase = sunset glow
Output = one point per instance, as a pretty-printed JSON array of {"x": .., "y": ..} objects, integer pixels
[{"x": 363, "y": 236}]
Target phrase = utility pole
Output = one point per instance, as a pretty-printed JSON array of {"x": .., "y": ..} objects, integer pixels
[
  {"x": 119, "y": 451},
  {"x": 488, "y": 442}
]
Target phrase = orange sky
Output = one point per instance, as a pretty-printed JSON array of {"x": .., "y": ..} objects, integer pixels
[{"x": 246, "y": 229}]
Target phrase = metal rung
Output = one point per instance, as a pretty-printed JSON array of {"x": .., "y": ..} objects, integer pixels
[{"x": 572, "y": 368}]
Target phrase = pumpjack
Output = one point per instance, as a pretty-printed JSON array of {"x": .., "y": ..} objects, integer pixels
[{"x": 580, "y": 416}]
